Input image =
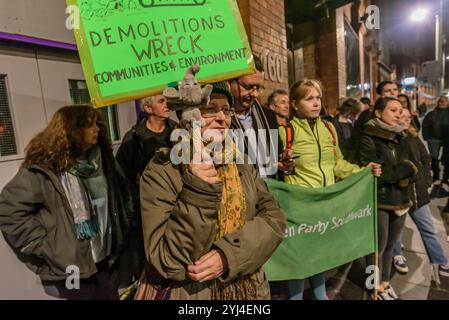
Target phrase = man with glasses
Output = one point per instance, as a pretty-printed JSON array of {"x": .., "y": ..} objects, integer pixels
[{"x": 250, "y": 117}]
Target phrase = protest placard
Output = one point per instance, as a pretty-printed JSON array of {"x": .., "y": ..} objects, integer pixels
[{"x": 130, "y": 49}]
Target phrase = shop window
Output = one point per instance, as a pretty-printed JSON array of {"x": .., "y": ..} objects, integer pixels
[
  {"x": 367, "y": 76},
  {"x": 8, "y": 145},
  {"x": 79, "y": 94},
  {"x": 354, "y": 87}
]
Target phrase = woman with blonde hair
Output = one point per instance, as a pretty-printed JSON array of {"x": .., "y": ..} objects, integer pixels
[
  {"x": 69, "y": 205},
  {"x": 318, "y": 158}
]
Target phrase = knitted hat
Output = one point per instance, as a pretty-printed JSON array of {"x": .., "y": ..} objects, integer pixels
[{"x": 222, "y": 87}]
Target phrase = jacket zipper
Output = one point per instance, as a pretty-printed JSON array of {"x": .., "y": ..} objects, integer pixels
[
  {"x": 319, "y": 152},
  {"x": 394, "y": 153}
]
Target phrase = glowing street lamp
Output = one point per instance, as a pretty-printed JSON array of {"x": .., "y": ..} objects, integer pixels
[{"x": 419, "y": 15}]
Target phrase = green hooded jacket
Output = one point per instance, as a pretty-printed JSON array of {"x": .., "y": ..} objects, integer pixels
[{"x": 320, "y": 159}]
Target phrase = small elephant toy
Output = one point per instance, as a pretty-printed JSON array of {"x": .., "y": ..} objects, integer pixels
[{"x": 190, "y": 93}]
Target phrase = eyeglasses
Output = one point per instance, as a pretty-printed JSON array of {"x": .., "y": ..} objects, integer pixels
[
  {"x": 212, "y": 112},
  {"x": 250, "y": 87}
]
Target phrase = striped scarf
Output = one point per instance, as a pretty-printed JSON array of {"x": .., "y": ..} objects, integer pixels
[{"x": 260, "y": 121}]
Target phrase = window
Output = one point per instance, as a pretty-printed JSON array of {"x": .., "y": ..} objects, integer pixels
[
  {"x": 354, "y": 87},
  {"x": 367, "y": 76},
  {"x": 79, "y": 94},
  {"x": 8, "y": 146}
]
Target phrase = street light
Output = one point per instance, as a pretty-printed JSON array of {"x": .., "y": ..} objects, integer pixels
[{"x": 419, "y": 15}]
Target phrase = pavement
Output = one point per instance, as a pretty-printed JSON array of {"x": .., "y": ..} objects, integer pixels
[{"x": 422, "y": 282}]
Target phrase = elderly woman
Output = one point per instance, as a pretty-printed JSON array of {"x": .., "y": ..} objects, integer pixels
[
  {"x": 208, "y": 227},
  {"x": 69, "y": 205}
]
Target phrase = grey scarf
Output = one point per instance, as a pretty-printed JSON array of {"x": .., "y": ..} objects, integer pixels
[
  {"x": 78, "y": 196},
  {"x": 380, "y": 124}
]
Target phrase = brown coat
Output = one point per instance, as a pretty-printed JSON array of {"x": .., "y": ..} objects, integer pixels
[{"x": 179, "y": 216}]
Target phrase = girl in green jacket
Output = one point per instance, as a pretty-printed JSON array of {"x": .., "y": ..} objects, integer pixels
[{"x": 318, "y": 158}]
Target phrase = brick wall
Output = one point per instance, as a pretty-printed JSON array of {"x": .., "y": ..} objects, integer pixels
[
  {"x": 325, "y": 56},
  {"x": 264, "y": 22}
]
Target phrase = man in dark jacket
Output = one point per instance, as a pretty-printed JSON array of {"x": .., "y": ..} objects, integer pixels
[
  {"x": 436, "y": 132},
  {"x": 137, "y": 149},
  {"x": 141, "y": 142},
  {"x": 250, "y": 116}
]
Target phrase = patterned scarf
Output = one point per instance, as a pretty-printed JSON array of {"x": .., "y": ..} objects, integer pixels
[
  {"x": 78, "y": 196},
  {"x": 231, "y": 218},
  {"x": 380, "y": 124}
]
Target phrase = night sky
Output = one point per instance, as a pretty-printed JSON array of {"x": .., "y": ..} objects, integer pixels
[{"x": 407, "y": 38}]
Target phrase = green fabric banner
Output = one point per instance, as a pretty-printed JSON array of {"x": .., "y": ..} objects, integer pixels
[
  {"x": 326, "y": 227},
  {"x": 130, "y": 49}
]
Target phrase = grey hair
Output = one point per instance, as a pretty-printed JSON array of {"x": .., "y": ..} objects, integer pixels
[
  {"x": 147, "y": 101},
  {"x": 275, "y": 94}
]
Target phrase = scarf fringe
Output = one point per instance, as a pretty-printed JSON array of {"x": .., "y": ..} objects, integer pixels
[
  {"x": 243, "y": 289},
  {"x": 87, "y": 230}
]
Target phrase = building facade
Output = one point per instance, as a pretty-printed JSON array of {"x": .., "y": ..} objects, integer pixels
[
  {"x": 264, "y": 22},
  {"x": 39, "y": 73},
  {"x": 341, "y": 43}
]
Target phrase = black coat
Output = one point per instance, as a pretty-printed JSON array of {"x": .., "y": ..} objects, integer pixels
[
  {"x": 346, "y": 143},
  {"x": 359, "y": 126},
  {"x": 135, "y": 153},
  {"x": 436, "y": 125},
  {"x": 421, "y": 157},
  {"x": 398, "y": 171}
]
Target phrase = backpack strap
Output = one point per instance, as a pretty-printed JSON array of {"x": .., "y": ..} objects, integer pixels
[
  {"x": 289, "y": 133},
  {"x": 331, "y": 129}
]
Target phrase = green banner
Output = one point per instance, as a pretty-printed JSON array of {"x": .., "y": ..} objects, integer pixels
[
  {"x": 130, "y": 49},
  {"x": 326, "y": 227}
]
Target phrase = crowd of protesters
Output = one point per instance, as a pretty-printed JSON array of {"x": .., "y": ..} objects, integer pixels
[{"x": 202, "y": 230}]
